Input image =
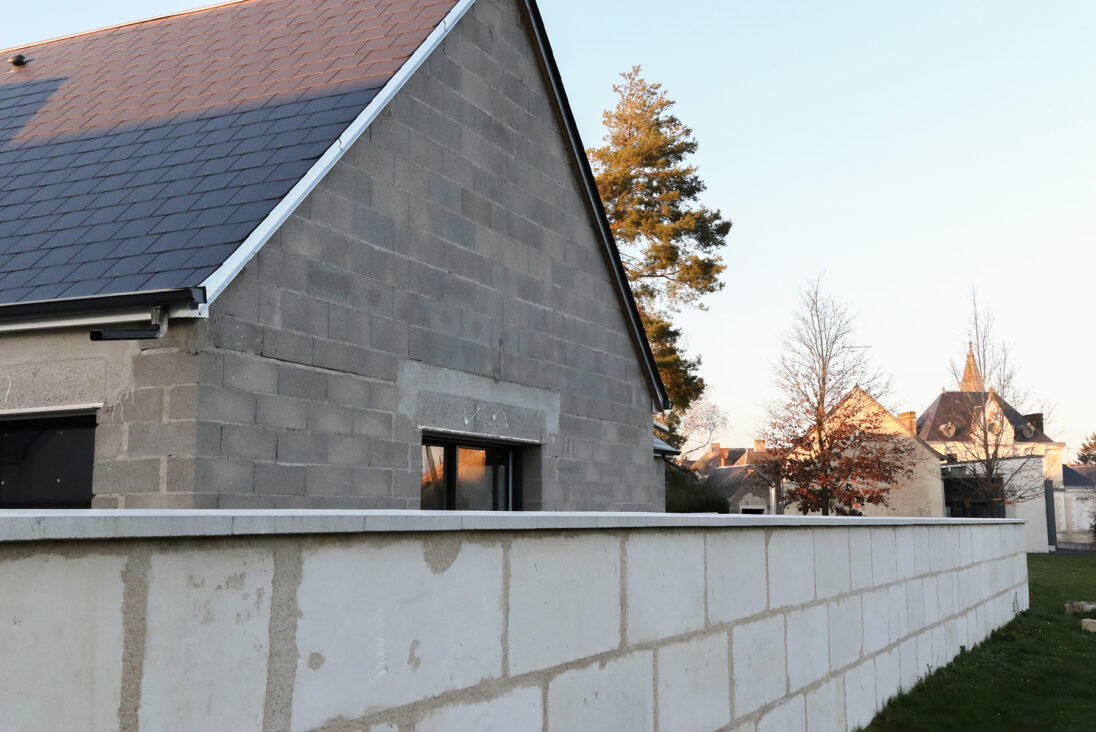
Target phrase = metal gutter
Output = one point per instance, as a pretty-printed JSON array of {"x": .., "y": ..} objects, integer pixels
[
  {"x": 216, "y": 282},
  {"x": 74, "y": 312},
  {"x": 639, "y": 333}
]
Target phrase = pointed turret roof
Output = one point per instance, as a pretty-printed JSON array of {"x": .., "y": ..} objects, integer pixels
[{"x": 972, "y": 376}]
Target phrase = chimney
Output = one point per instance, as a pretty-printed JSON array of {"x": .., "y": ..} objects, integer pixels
[
  {"x": 759, "y": 446},
  {"x": 909, "y": 421}
]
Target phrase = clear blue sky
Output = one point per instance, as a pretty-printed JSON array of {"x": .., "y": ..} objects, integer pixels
[{"x": 909, "y": 150}]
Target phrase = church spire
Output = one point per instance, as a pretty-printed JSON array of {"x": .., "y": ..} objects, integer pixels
[{"x": 972, "y": 377}]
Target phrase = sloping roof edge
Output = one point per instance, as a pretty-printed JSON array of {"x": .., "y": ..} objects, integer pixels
[
  {"x": 639, "y": 334},
  {"x": 216, "y": 283}
]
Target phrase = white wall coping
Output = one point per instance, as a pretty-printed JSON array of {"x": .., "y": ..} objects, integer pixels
[{"x": 38, "y": 525}]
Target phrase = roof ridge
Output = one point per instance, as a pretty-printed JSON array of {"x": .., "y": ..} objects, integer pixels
[{"x": 139, "y": 21}]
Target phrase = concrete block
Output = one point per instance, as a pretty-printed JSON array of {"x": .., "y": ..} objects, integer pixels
[
  {"x": 737, "y": 578},
  {"x": 518, "y": 710},
  {"x": 846, "y": 634},
  {"x": 665, "y": 585},
  {"x": 617, "y": 695},
  {"x": 245, "y": 441},
  {"x": 126, "y": 476},
  {"x": 1088, "y": 625},
  {"x": 884, "y": 563},
  {"x": 860, "y": 697},
  {"x": 808, "y": 646},
  {"x": 216, "y": 640},
  {"x": 876, "y": 620},
  {"x": 789, "y": 716},
  {"x": 397, "y": 646},
  {"x": 791, "y": 567},
  {"x": 908, "y": 671},
  {"x": 898, "y": 607},
  {"x": 61, "y": 631},
  {"x": 759, "y": 674},
  {"x": 544, "y": 628},
  {"x": 1073, "y": 608},
  {"x": 904, "y": 552},
  {"x": 887, "y": 677},
  {"x": 860, "y": 557},
  {"x": 831, "y": 562},
  {"x": 826, "y": 706},
  {"x": 694, "y": 685},
  {"x": 250, "y": 374}
]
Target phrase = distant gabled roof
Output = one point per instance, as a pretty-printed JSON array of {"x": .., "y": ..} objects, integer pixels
[
  {"x": 956, "y": 408},
  {"x": 1079, "y": 476},
  {"x": 139, "y": 157}
]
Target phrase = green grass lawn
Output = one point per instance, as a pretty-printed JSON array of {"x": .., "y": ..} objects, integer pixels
[{"x": 1036, "y": 673}]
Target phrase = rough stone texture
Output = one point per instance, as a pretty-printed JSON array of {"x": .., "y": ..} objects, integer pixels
[
  {"x": 61, "y": 634},
  {"x": 693, "y": 685},
  {"x": 222, "y": 628},
  {"x": 454, "y": 626}
]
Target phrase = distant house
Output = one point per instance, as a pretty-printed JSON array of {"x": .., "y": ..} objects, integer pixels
[
  {"x": 326, "y": 254},
  {"x": 1076, "y": 504}
]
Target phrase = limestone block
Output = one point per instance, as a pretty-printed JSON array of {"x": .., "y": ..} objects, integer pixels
[
  {"x": 693, "y": 685},
  {"x": 846, "y": 635},
  {"x": 915, "y": 605},
  {"x": 929, "y": 592},
  {"x": 759, "y": 673},
  {"x": 898, "y": 609},
  {"x": 923, "y": 560},
  {"x": 386, "y": 625},
  {"x": 884, "y": 561},
  {"x": 1080, "y": 607},
  {"x": 208, "y": 631},
  {"x": 665, "y": 582},
  {"x": 61, "y": 634},
  {"x": 904, "y": 552},
  {"x": 907, "y": 664},
  {"x": 860, "y": 699},
  {"x": 945, "y": 594},
  {"x": 808, "y": 646},
  {"x": 888, "y": 676},
  {"x": 1088, "y": 625},
  {"x": 860, "y": 557},
  {"x": 787, "y": 717},
  {"x": 736, "y": 574},
  {"x": 517, "y": 711},
  {"x": 826, "y": 706},
  {"x": 618, "y": 695},
  {"x": 549, "y": 579},
  {"x": 831, "y": 562},
  {"x": 791, "y": 567},
  {"x": 876, "y": 620},
  {"x": 924, "y": 654}
]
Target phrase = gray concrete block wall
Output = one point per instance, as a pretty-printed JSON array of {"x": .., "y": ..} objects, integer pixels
[
  {"x": 454, "y": 235},
  {"x": 752, "y": 625}
]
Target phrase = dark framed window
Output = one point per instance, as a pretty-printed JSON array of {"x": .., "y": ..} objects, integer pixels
[
  {"x": 470, "y": 475},
  {"x": 46, "y": 461}
]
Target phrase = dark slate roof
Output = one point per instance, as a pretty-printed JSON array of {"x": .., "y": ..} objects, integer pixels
[
  {"x": 957, "y": 408},
  {"x": 139, "y": 157},
  {"x": 1079, "y": 476},
  {"x": 664, "y": 448}
]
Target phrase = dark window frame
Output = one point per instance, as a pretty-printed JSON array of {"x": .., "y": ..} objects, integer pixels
[
  {"x": 451, "y": 443},
  {"x": 84, "y": 419}
]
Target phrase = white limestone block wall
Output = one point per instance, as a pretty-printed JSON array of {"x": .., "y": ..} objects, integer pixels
[{"x": 419, "y": 622}]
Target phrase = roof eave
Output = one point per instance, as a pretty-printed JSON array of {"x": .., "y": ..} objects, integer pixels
[{"x": 45, "y": 314}]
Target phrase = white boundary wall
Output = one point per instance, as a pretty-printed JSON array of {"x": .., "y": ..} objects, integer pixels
[{"x": 386, "y": 621}]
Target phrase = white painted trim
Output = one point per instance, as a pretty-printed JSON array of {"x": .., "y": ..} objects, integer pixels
[
  {"x": 45, "y": 411},
  {"x": 41, "y": 525},
  {"x": 216, "y": 283},
  {"x": 445, "y": 432}
]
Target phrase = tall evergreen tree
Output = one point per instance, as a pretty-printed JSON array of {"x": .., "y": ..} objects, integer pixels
[
  {"x": 1087, "y": 454},
  {"x": 669, "y": 242}
]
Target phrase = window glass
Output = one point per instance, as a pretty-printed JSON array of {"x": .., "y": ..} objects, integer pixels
[
  {"x": 433, "y": 478},
  {"x": 47, "y": 462},
  {"x": 482, "y": 483}
]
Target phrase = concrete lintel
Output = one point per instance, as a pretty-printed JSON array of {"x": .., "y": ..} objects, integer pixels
[{"x": 32, "y": 525}]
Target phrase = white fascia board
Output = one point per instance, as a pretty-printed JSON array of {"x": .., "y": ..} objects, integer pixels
[
  {"x": 79, "y": 321},
  {"x": 216, "y": 283}
]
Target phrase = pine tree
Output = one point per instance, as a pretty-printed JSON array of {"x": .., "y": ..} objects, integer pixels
[
  {"x": 1087, "y": 454},
  {"x": 669, "y": 242}
]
